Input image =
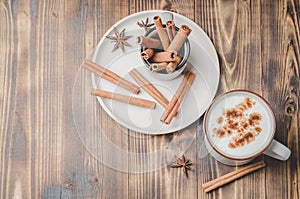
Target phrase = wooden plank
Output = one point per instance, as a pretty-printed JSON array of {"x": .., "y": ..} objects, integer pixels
[
  {"x": 206, "y": 18},
  {"x": 280, "y": 31},
  {"x": 6, "y": 92},
  {"x": 110, "y": 178},
  {"x": 18, "y": 132},
  {"x": 47, "y": 104},
  {"x": 82, "y": 167}
]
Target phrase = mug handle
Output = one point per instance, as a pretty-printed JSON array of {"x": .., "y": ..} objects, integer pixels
[{"x": 278, "y": 151}]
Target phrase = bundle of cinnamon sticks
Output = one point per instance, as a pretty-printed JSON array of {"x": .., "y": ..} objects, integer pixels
[
  {"x": 169, "y": 41},
  {"x": 116, "y": 79},
  {"x": 171, "y": 108}
]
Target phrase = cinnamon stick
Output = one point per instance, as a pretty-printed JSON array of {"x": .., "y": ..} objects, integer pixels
[
  {"x": 111, "y": 76},
  {"x": 175, "y": 96},
  {"x": 179, "y": 39},
  {"x": 155, "y": 67},
  {"x": 220, "y": 181},
  {"x": 164, "y": 56},
  {"x": 174, "y": 111},
  {"x": 124, "y": 98},
  {"x": 148, "y": 53},
  {"x": 148, "y": 87},
  {"x": 172, "y": 65},
  {"x": 171, "y": 29},
  {"x": 149, "y": 42},
  {"x": 161, "y": 32}
]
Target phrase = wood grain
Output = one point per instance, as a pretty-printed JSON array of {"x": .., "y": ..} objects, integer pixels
[{"x": 43, "y": 44}]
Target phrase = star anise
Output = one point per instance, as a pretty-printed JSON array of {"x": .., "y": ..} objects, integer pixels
[
  {"x": 145, "y": 24},
  {"x": 119, "y": 39},
  {"x": 184, "y": 163}
]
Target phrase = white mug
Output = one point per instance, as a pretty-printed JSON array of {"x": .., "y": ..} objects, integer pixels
[{"x": 239, "y": 125}]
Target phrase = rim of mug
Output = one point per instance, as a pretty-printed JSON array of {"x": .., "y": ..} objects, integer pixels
[{"x": 234, "y": 91}]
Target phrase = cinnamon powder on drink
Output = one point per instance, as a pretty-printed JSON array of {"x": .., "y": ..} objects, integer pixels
[{"x": 246, "y": 126}]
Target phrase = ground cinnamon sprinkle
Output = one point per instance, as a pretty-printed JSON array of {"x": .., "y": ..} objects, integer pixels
[
  {"x": 249, "y": 102},
  {"x": 220, "y": 120},
  {"x": 258, "y": 129},
  {"x": 245, "y": 126},
  {"x": 246, "y": 138},
  {"x": 220, "y": 133},
  {"x": 234, "y": 113},
  {"x": 255, "y": 117}
]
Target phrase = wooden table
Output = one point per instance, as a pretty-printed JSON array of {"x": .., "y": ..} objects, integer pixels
[{"x": 42, "y": 44}]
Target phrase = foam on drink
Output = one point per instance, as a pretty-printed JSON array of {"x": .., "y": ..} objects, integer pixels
[{"x": 240, "y": 124}]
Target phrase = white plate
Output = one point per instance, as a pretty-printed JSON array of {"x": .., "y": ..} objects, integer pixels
[{"x": 203, "y": 62}]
